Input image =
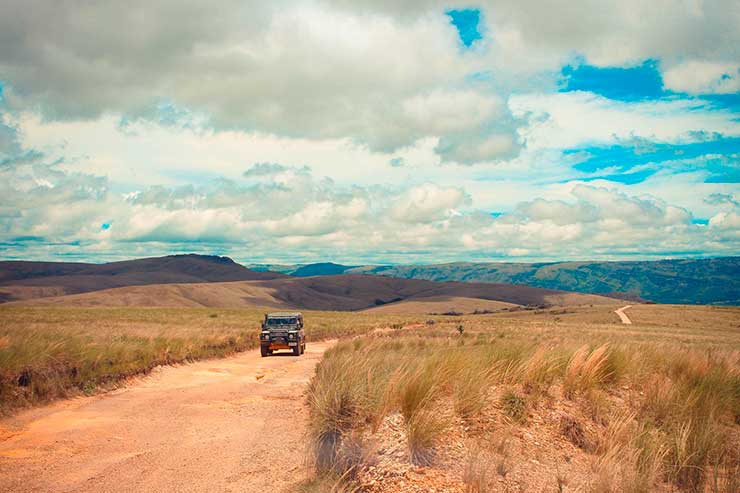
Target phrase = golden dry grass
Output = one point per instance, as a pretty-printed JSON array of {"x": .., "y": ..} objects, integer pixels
[
  {"x": 441, "y": 304},
  {"x": 52, "y": 352},
  {"x": 680, "y": 365},
  {"x": 678, "y": 385}
]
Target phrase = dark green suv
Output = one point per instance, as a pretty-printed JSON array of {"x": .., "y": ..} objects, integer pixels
[{"x": 282, "y": 330}]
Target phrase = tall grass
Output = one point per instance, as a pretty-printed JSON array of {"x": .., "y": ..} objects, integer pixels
[
  {"x": 587, "y": 369},
  {"x": 51, "y": 352},
  {"x": 668, "y": 429}
]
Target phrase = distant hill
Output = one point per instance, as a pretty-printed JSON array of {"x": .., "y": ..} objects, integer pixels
[
  {"x": 342, "y": 293},
  {"x": 334, "y": 286},
  {"x": 685, "y": 281},
  {"x": 23, "y": 280},
  {"x": 682, "y": 281},
  {"x": 320, "y": 269},
  {"x": 309, "y": 270}
]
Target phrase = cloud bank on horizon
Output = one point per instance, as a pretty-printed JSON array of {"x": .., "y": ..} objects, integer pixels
[{"x": 365, "y": 131}]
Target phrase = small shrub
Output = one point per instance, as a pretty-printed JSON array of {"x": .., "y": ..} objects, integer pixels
[
  {"x": 514, "y": 406},
  {"x": 597, "y": 406},
  {"x": 586, "y": 370},
  {"x": 537, "y": 372},
  {"x": 470, "y": 391},
  {"x": 571, "y": 429},
  {"x": 416, "y": 389},
  {"x": 328, "y": 483},
  {"x": 689, "y": 451},
  {"x": 614, "y": 472},
  {"x": 475, "y": 474},
  {"x": 422, "y": 432},
  {"x": 617, "y": 434},
  {"x": 338, "y": 400}
]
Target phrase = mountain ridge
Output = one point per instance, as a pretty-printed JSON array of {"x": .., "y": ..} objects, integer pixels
[
  {"x": 351, "y": 292},
  {"x": 28, "y": 279},
  {"x": 684, "y": 281}
]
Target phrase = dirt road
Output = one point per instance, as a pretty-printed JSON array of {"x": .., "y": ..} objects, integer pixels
[
  {"x": 234, "y": 424},
  {"x": 623, "y": 316}
]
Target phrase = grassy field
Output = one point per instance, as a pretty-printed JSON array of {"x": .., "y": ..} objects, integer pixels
[
  {"x": 53, "y": 352},
  {"x": 594, "y": 405},
  {"x": 653, "y": 405}
]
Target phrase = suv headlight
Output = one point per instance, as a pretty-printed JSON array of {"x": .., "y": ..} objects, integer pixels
[
  {"x": 265, "y": 335},
  {"x": 292, "y": 335}
]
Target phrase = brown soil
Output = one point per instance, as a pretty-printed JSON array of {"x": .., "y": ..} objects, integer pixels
[{"x": 234, "y": 424}]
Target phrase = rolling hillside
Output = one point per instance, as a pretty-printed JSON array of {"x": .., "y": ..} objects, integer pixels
[
  {"x": 341, "y": 293},
  {"x": 25, "y": 280},
  {"x": 684, "y": 281},
  {"x": 444, "y": 305}
]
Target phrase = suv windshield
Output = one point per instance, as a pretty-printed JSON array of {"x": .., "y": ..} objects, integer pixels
[{"x": 272, "y": 322}]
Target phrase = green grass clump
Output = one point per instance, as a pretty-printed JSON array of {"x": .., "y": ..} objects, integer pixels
[{"x": 514, "y": 406}]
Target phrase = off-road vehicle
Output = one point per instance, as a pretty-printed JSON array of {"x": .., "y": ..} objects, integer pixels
[{"x": 282, "y": 331}]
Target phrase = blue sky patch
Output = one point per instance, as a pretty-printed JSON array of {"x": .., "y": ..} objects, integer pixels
[
  {"x": 466, "y": 21},
  {"x": 724, "y": 101},
  {"x": 721, "y": 159},
  {"x": 623, "y": 84},
  {"x": 626, "y": 178},
  {"x": 634, "y": 162},
  {"x": 723, "y": 170},
  {"x": 482, "y": 76}
]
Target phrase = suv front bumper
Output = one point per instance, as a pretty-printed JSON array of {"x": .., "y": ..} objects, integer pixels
[{"x": 279, "y": 344}]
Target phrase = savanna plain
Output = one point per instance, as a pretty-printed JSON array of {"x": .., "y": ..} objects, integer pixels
[{"x": 510, "y": 399}]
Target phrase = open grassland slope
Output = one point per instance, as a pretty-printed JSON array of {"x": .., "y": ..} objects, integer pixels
[
  {"x": 215, "y": 294},
  {"x": 25, "y": 280},
  {"x": 347, "y": 292},
  {"x": 442, "y": 305},
  {"x": 546, "y": 400}
]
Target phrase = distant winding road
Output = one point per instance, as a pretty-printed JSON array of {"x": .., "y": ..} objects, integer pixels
[
  {"x": 623, "y": 316},
  {"x": 233, "y": 424}
]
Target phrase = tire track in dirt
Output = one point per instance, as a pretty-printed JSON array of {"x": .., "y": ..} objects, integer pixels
[{"x": 233, "y": 424}]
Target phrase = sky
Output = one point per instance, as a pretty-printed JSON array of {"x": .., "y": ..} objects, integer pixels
[{"x": 361, "y": 131}]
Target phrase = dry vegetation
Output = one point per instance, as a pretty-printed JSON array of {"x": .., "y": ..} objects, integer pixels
[
  {"x": 52, "y": 352},
  {"x": 552, "y": 400},
  {"x": 549, "y": 399}
]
